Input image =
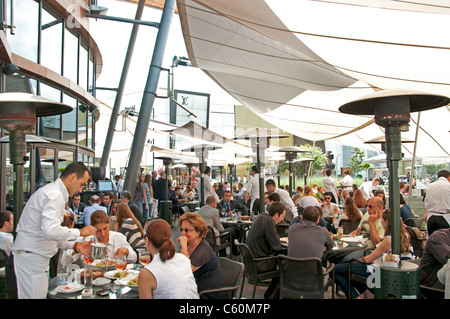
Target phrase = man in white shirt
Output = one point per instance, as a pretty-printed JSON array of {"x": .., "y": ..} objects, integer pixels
[
  {"x": 207, "y": 187},
  {"x": 285, "y": 199},
  {"x": 330, "y": 185},
  {"x": 437, "y": 202},
  {"x": 368, "y": 187},
  {"x": 347, "y": 181},
  {"x": 6, "y": 227},
  {"x": 253, "y": 187},
  {"x": 39, "y": 231},
  {"x": 240, "y": 195}
]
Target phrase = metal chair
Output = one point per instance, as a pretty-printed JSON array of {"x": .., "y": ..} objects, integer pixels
[
  {"x": 254, "y": 276},
  {"x": 224, "y": 239},
  {"x": 304, "y": 278},
  {"x": 417, "y": 243},
  {"x": 233, "y": 272}
]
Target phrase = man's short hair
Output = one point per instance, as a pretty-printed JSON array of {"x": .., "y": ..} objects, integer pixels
[
  {"x": 207, "y": 170},
  {"x": 328, "y": 172},
  {"x": 5, "y": 216},
  {"x": 276, "y": 208},
  {"x": 210, "y": 200},
  {"x": 95, "y": 199},
  {"x": 311, "y": 213},
  {"x": 274, "y": 197},
  {"x": 270, "y": 182},
  {"x": 76, "y": 167},
  {"x": 109, "y": 194},
  {"x": 127, "y": 195},
  {"x": 255, "y": 169},
  {"x": 443, "y": 173}
]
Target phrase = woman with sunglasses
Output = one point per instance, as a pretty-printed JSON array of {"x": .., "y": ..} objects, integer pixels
[{"x": 204, "y": 262}]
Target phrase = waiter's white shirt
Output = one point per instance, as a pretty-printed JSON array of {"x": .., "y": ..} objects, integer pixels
[
  {"x": 207, "y": 188},
  {"x": 367, "y": 189},
  {"x": 253, "y": 187},
  {"x": 348, "y": 182},
  {"x": 39, "y": 229},
  {"x": 437, "y": 197},
  {"x": 287, "y": 201},
  {"x": 330, "y": 186}
]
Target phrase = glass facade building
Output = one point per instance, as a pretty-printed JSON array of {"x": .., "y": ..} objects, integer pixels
[{"x": 46, "y": 50}]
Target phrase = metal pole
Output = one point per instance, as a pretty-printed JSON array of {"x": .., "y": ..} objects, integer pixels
[
  {"x": 123, "y": 79},
  {"x": 413, "y": 164},
  {"x": 394, "y": 155},
  {"x": 17, "y": 149},
  {"x": 149, "y": 96}
]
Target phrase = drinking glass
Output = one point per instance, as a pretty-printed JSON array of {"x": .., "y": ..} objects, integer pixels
[
  {"x": 121, "y": 265},
  {"x": 144, "y": 257}
]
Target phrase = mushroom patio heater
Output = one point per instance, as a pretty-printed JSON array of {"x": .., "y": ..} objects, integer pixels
[
  {"x": 391, "y": 109},
  {"x": 259, "y": 138},
  {"x": 201, "y": 151},
  {"x": 18, "y": 115},
  {"x": 166, "y": 204},
  {"x": 305, "y": 161},
  {"x": 291, "y": 154}
]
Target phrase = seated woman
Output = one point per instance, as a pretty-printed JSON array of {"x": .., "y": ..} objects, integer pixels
[
  {"x": 204, "y": 262},
  {"x": 405, "y": 210},
  {"x": 352, "y": 216},
  {"x": 189, "y": 193},
  {"x": 169, "y": 274},
  {"x": 360, "y": 201},
  {"x": 128, "y": 225},
  {"x": 360, "y": 268},
  {"x": 116, "y": 242}
]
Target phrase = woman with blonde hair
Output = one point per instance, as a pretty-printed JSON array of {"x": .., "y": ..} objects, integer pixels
[
  {"x": 204, "y": 262},
  {"x": 128, "y": 225},
  {"x": 169, "y": 274}
]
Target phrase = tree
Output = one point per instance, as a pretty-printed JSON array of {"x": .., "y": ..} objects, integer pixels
[
  {"x": 357, "y": 161},
  {"x": 318, "y": 156}
]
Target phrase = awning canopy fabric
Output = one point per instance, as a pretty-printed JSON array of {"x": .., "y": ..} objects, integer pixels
[{"x": 295, "y": 62}]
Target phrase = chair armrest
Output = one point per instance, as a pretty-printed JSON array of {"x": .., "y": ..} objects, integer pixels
[
  {"x": 223, "y": 289},
  {"x": 329, "y": 269},
  {"x": 265, "y": 258}
]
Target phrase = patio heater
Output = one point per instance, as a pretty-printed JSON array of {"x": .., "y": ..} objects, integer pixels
[
  {"x": 18, "y": 115},
  {"x": 391, "y": 109},
  {"x": 201, "y": 151},
  {"x": 189, "y": 166},
  {"x": 259, "y": 138},
  {"x": 166, "y": 204},
  {"x": 291, "y": 154}
]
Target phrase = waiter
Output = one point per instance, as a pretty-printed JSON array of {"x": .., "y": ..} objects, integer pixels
[{"x": 39, "y": 231}]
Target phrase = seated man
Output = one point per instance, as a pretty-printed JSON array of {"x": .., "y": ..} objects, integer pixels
[
  {"x": 307, "y": 239},
  {"x": 95, "y": 205},
  {"x": 239, "y": 196},
  {"x": 264, "y": 241},
  {"x": 434, "y": 257},
  {"x": 177, "y": 199},
  {"x": 228, "y": 206},
  {"x": 211, "y": 216}
]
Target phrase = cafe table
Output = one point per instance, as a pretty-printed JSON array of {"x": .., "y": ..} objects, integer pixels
[
  {"x": 111, "y": 289},
  {"x": 340, "y": 246},
  {"x": 244, "y": 225}
]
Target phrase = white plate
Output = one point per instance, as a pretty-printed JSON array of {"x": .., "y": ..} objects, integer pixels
[
  {"x": 124, "y": 281},
  {"x": 69, "y": 288},
  {"x": 284, "y": 239},
  {"x": 112, "y": 274},
  {"x": 101, "y": 281},
  {"x": 357, "y": 239}
]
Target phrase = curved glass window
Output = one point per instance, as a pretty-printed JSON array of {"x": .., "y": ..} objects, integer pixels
[
  {"x": 50, "y": 126},
  {"x": 51, "y": 41},
  {"x": 69, "y": 120},
  {"x": 25, "y": 40},
  {"x": 70, "y": 56}
]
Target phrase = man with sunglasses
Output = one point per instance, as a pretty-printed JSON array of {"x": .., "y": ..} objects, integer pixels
[{"x": 369, "y": 227}]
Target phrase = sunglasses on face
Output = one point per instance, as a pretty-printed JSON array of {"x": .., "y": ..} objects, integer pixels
[
  {"x": 185, "y": 230},
  {"x": 327, "y": 197},
  {"x": 370, "y": 206}
]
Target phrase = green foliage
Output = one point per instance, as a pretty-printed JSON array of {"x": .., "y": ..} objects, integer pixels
[
  {"x": 319, "y": 160},
  {"x": 357, "y": 161}
]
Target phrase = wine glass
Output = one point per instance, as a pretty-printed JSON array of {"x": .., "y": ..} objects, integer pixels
[
  {"x": 121, "y": 264},
  {"x": 144, "y": 257}
]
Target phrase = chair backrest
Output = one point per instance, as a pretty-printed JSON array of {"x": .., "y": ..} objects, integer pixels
[
  {"x": 301, "y": 278},
  {"x": 417, "y": 243},
  {"x": 211, "y": 238},
  {"x": 232, "y": 271},
  {"x": 3, "y": 258},
  {"x": 249, "y": 260},
  {"x": 185, "y": 209},
  {"x": 414, "y": 222}
]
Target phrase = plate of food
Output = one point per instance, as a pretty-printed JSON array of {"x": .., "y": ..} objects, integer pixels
[
  {"x": 69, "y": 288},
  {"x": 96, "y": 273},
  {"x": 131, "y": 280},
  {"x": 116, "y": 274},
  {"x": 101, "y": 281},
  {"x": 104, "y": 264}
]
